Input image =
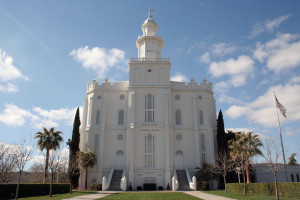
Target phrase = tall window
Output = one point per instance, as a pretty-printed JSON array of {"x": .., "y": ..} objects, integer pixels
[
  {"x": 149, "y": 151},
  {"x": 121, "y": 117},
  {"x": 98, "y": 117},
  {"x": 201, "y": 117},
  {"x": 149, "y": 108},
  {"x": 292, "y": 176},
  {"x": 178, "y": 117},
  {"x": 202, "y": 142}
]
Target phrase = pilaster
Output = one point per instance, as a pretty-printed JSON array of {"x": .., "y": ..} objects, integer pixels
[{"x": 196, "y": 128}]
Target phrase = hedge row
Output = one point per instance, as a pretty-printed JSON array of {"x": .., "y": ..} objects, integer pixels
[
  {"x": 28, "y": 190},
  {"x": 290, "y": 190}
]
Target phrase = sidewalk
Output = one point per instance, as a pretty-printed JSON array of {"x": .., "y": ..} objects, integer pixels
[
  {"x": 92, "y": 196},
  {"x": 205, "y": 196}
]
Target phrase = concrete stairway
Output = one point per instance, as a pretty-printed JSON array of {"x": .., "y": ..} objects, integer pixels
[
  {"x": 115, "y": 181},
  {"x": 183, "y": 181}
]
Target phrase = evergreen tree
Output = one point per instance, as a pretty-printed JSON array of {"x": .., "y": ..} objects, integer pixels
[
  {"x": 221, "y": 137},
  {"x": 292, "y": 159},
  {"x": 74, "y": 170}
]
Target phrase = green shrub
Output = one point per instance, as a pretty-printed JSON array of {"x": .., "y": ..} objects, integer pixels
[
  {"x": 95, "y": 186},
  {"x": 289, "y": 190},
  {"x": 28, "y": 190}
]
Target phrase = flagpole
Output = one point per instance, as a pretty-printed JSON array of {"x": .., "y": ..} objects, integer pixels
[{"x": 282, "y": 148}]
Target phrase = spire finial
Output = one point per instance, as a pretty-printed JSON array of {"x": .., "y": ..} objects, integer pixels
[{"x": 149, "y": 14}]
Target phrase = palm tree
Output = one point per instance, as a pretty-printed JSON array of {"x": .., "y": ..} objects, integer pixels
[
  {"x": 243, "y": 148},
  {"x": 86, "y": 160},
  {"x": 48, "y": 139}
]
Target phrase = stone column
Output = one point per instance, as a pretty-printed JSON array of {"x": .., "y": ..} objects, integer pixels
[
  {"x": 167, "y": 138},
  {"x": 196, "y": 130},
  {"x": 130, "y": 138},
  {"x": 102, "y": 134}
]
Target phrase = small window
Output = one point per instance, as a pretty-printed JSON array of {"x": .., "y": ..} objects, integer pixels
[
  {"x": 98, "y": 117},
  {"x": 178, "y": 117},
  {"x": 178, "y": 137},
  {"x": 201, "y": 117},
  {"x": 199, "y": 97},
  {"x": 121, "y": 117},
  {"x": 149, "y": 70},
  {"x": 99, "y": 97},
  {"x": 122, "y": 97},
  {"x": 177, "y": 97},
  {"x": 292, "y": 177},
  {"x": 120, "y": 137},
  {"x": 297, "y": 176}
]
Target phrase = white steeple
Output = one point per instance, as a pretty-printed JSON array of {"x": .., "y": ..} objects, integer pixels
[{"x": 149, "y": 44}]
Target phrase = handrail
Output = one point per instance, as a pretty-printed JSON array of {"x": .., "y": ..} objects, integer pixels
[
  {"x": 192, "y": 182},
  {"x": 106, "y": 182},
  {"x": 175, "y": 182},
  {"x": 149, "y": 59},
  {"x": 123, "y": 183}
]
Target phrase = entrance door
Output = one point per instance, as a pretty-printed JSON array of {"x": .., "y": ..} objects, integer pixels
[
  {"x": 119, "y": 165},
  {"x": 178, "y": 161}
]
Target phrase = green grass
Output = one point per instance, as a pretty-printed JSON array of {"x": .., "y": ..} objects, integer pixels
[
  {"x": 59, "y": 196},
  {"x": 149, "y": 196},
  {"x": 242, "y": 197}
]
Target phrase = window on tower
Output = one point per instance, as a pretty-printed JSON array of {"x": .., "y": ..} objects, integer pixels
[
  {"x": 178, "y": 117},
  {"x": 149, "y": 151},
  {"x": 149, "y": 108},
  {"x": 121, "y": 117}
]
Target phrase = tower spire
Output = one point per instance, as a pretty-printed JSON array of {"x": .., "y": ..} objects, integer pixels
[{"x": 149, "y": 14}]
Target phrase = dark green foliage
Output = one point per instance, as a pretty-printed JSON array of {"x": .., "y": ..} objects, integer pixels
[
  {"x": 289, "y": 190},
  {"x": 150, "y": 186},
  {"x": 95, "y": 186},
  {"x": 204, "y": 175},
  {"x": 138, "y": 188},
  {"x": 28, "y": 190},
  {"x": 74, "y": 170},
  {"x": 160, "y": 188},
  {"x": 221, "y": 141},
  {"x": 168, "y": 187},
  {"x": 130, "y": 187},
  {"x": 292, "y": 159}
]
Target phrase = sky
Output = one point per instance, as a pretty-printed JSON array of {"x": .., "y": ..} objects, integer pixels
[{"x": 49, "y": 50}]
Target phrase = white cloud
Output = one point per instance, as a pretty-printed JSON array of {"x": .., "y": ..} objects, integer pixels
[
  {"x": 263, "y": 111},
  {"x": 205, "y": 58},
  {"x": 8, "y": 73},
  {"x": 221, "y": 49},
  {"x": 100, "y": 60},
  {"x": 238, "y": 69},
  {"x": 271, "y": 24},
  {"x": 281, "y": 53},
  {"x": 268, "y": 25},
  {"x": 179, "y": 77},
  {"x": 9, "y": 88},
  {"x": 15, "y": 117},
  {"x": 295, "y": 79}
]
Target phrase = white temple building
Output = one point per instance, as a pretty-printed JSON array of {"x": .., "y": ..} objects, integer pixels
[{"x": 149, "y": 131}]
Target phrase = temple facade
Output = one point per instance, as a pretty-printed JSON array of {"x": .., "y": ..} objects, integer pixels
[{"x": 148, "y": 131}]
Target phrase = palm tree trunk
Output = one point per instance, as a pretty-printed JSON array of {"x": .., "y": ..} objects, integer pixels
[
  {"x": 51, "y": 183},
  {"x": 276, "y": 186},
  {"x": 86, "y": 176},
  {"x": 245, "y": 191},
  {"x": 18, "y": 185},
  {"x": 248, "y": 172},
  {"x": 46, "y": 165}
]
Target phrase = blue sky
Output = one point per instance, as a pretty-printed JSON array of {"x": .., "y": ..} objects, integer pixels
[{"x": 49, "y": 50}]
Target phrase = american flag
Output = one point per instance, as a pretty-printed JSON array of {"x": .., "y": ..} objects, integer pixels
[{"x": 280, "y": 107}]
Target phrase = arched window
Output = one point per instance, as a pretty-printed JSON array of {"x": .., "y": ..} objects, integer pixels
[
  {"x": 121, "y": 117},
  {"x": 292, "y": 176},
  {"x": 178, "y": 117},
  {"x": 98, "y": 117},
  {"x": 149, "y": 151},
  {"x": 149, "y": 108},
  {"x": 201, "y": 117}
]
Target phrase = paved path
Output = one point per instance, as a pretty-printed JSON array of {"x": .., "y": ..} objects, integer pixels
[
  {"x": 91, "y": 196},
  {"x": 206, "y": 196}
]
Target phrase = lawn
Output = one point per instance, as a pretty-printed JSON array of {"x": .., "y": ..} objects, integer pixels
[
  {"x": 59, "y": 196},
  {"x": 242, "y": 197},
  {"x": 149, "y": 196}
]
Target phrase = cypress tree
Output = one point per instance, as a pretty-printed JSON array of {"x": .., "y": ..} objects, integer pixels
[
  {"x": 221, "y": 137},
  {"x": 292, "y": 159},
  {"x": 74, "y": 170}
]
